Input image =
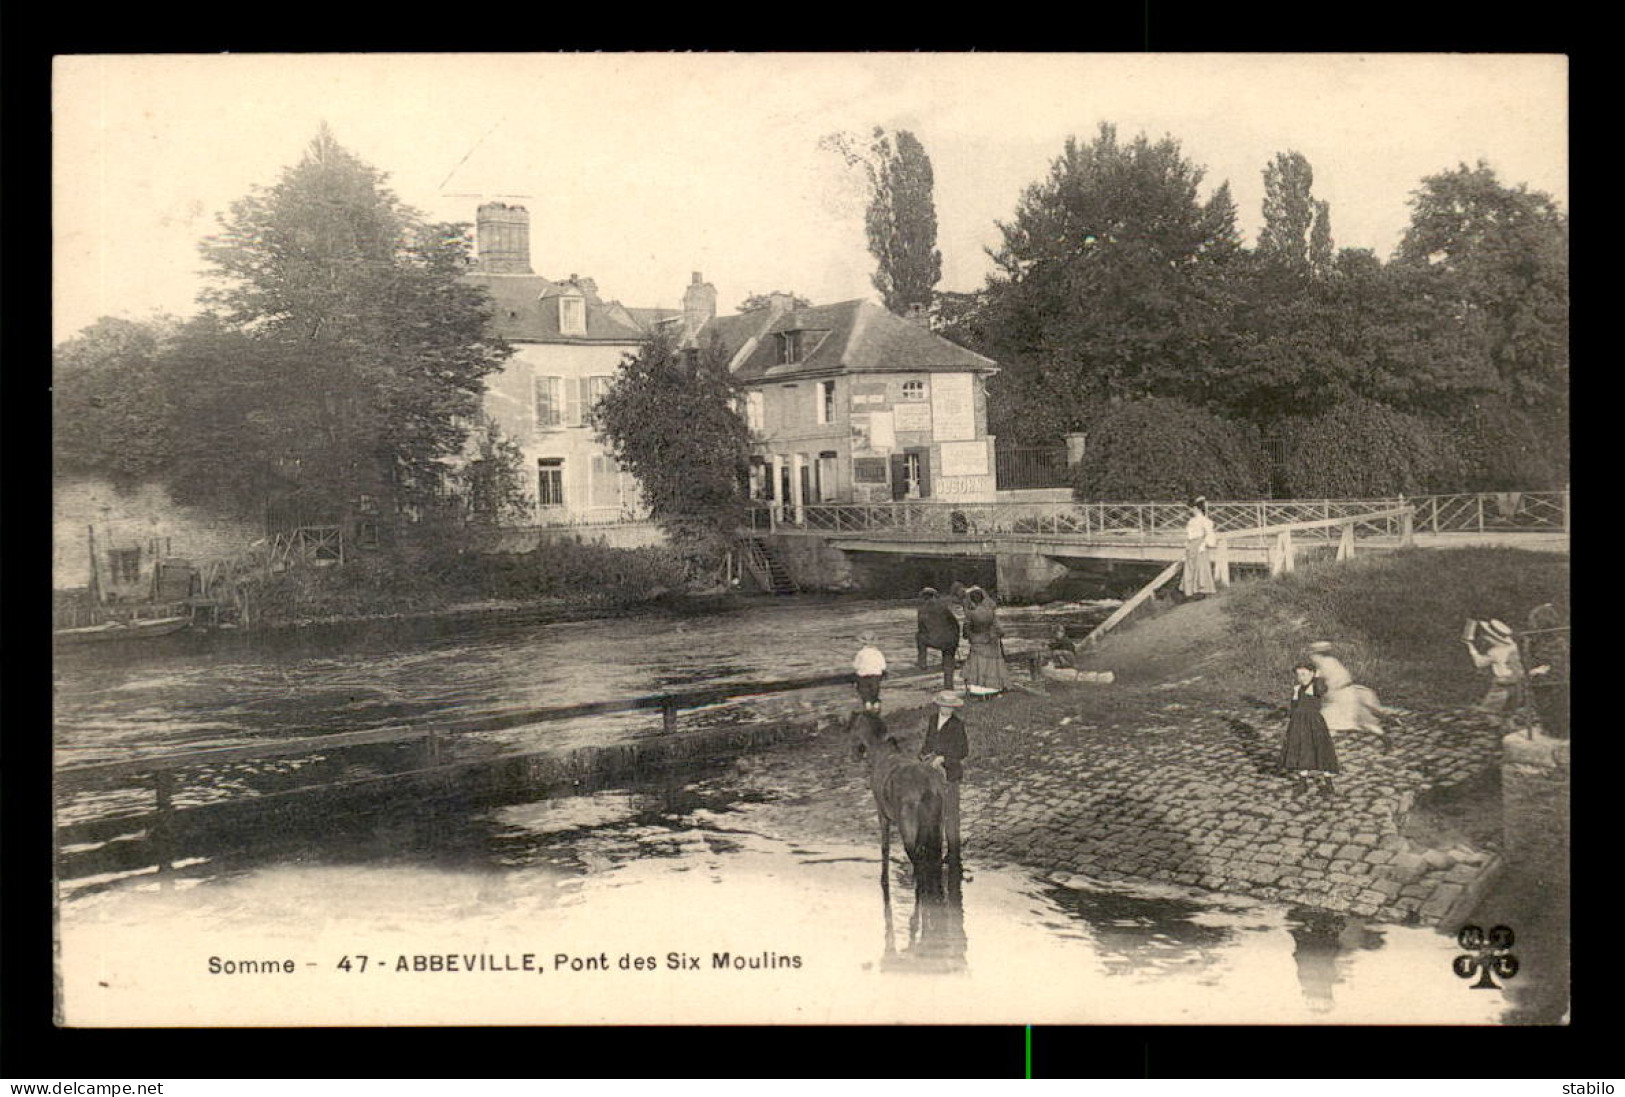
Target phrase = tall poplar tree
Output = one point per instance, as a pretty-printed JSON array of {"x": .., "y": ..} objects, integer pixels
[{"x": 901, "y": 218}]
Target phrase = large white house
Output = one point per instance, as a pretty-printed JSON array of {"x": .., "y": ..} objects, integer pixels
[{"x": 568, "y": 343}]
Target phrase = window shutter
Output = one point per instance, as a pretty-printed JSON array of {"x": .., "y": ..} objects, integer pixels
[
  {"x": 899, "y": 476},
  {"x": 572, "y": 390},
  {"x": 925, "y": 473}
]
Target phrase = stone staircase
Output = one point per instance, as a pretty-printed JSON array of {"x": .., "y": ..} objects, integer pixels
[{"x": 765, "y": 567}]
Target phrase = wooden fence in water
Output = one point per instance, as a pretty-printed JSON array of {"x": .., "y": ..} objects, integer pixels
[{"x": 428, "y": 743}]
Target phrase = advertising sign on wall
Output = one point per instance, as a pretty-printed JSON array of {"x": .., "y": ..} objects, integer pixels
[
  {"x": 914, "y": 415},
  {"x": 953, "y": 407},
  {"x": 964, "y": 458}
]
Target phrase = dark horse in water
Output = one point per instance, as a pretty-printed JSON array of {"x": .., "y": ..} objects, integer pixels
[{"x": 907, "y": 792}]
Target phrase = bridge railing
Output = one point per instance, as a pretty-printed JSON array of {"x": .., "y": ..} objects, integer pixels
[
  {"x": 938, "y": 519},
  {"x": 1482, "y": 512},
  {"x": 1500, "y": 512}
]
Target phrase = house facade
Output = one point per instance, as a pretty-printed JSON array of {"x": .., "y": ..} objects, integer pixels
[
  {"x": 568, "y": 343},
  {"x": 850, "y": 403}
]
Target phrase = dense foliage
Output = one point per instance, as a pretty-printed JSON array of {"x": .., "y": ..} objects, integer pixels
[
  {"x": 491, "y": 477},
  {"x": 341, "y": 356},
  {"x": 1162, "y": 449},
  {"x": 1109, "y": 286},
  {"x": 1118, "y": 282},
  {"x": 670, "y": 419},
  {"x": 1359, "y": 449}
]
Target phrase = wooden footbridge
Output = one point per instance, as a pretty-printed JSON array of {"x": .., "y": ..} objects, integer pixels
[{"x": 1031, "y": 542}]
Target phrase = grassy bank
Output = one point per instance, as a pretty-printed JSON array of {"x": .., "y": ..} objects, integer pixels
[
  {"x": 1395, "y": 619},
  {"x": 408, "y": 582}
]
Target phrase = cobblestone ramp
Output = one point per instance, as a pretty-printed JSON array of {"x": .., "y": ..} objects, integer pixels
[{"x": 1197, "y": 801}]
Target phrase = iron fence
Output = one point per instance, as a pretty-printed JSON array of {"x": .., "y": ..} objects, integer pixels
[{"x": 1022, "y": 468}]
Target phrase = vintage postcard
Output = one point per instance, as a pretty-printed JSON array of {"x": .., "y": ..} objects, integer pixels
[{"x": 810, "y": 539}]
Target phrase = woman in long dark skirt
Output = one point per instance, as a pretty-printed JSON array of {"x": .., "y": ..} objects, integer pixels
[{"x": 1307, "y": 750}]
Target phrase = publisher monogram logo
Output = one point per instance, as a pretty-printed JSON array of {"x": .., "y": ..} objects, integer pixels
[{"x": 1488, "y": 955}]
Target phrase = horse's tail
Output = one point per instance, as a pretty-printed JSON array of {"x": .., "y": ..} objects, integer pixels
[{"x": 925, "y": 848}]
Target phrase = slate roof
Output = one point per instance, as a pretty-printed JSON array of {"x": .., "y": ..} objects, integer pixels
[
  {"x": 859, "y": 337},
  {"x": 523, "y": 310}
]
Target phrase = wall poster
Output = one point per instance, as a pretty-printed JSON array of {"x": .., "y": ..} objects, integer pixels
[{"x": 953, "y": 407}]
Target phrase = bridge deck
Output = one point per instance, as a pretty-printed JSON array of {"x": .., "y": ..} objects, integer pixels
[{"x": 1243, "y": 550}]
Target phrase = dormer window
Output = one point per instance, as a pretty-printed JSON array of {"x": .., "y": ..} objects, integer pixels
[
  {"x": 572, "y": 315},
  {"x": 789, "y": 347}
]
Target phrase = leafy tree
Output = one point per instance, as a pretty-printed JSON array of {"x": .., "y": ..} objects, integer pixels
[
  {"x": 491, "y": 477},
  {"x": 669, "y": 418},
  {"x": 1360, "y": 449},
  {"x": 901, "y": 219},
  {"x": 1386, "y": 333},
  {"x": 376, "y": 348},
  {"x": 1502, "y": 253},
  {"x": 1161, "y": 449},
  {"x": 1320, "y": 240},
  {"x": 109, "y": 399},
  {"x": 1111, "y": 285},
  {"x": 762, "y": 300},
  {"x": 1289, "y": 210}
]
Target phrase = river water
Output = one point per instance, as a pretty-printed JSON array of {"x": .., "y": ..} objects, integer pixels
[{"x": 764, "y": 872}]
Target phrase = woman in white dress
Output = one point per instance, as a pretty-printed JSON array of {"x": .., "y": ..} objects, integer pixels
[
  {"x": 1200, "y": 540},
  {"x": 1345, "y": 706}
]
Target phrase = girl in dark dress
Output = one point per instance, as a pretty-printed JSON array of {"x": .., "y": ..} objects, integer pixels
[{"x": 1307, "y": 750}]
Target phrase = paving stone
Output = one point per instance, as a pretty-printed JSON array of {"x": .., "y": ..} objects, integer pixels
[
  {"x": 1438, "y": 858},
  {"x": 1352, "y": 852},
  {"x": 1440, "y": 901},
  {"x": 1462, "y": 874},
  {"x": 1379, "y": 857}
]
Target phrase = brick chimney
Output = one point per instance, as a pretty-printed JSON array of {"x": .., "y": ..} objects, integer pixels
[
  {"x": 503, "y": 234},
  {"x": 780, "y": 304},
  {"x": 699, "y": 304},
  {"x": 918, "y": 314}
]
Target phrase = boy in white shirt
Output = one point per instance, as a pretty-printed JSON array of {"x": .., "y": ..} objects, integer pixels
[{"x": 870, "y": 666}]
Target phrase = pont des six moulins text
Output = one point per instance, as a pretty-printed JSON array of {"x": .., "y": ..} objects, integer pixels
[{"x": 508, "y": 963}]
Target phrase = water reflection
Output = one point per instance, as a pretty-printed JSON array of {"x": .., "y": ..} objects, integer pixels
[
  {"x": 936, "y": 926},
  {"x": 1323, "y": 944}
]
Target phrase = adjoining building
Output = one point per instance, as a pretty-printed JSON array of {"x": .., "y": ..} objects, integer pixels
[{"x": 851, "y": 403}]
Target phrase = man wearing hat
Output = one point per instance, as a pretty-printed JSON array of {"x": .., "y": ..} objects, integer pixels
[
  {"x": 946, "y": 747},
  {"x": 1500, "y": 656},
  {"x": 939, "y": 629}
]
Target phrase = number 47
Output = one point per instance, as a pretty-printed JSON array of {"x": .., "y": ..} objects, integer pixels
[{"x": 344, "y": 964}]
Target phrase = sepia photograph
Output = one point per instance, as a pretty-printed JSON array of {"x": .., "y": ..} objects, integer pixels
[{"x": 810, "y": 539}]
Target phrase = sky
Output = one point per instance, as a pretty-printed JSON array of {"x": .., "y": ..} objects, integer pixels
[{"x": 639, "y": 169}]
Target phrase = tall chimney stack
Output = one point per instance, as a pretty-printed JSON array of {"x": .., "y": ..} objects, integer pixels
[
  {"x": 503, "y": 233},
  {"x": 699, "y": 305}
]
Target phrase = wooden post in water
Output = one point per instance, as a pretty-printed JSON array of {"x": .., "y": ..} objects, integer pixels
[
  {"x": 161, "y": 834},
  {"x": 668, "y": 716},
  {"x": 1287, "y": 553},
  {"x": 1407, "y": 528},
  {"x": 1345, "y": 543}
]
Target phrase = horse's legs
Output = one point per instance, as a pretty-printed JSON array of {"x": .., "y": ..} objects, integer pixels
[{"x": 885, "y": 844}]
